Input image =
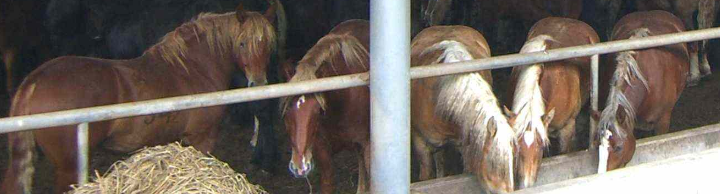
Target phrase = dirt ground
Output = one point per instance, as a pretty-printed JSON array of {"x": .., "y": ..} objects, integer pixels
[{"x": 698, "y": 106}]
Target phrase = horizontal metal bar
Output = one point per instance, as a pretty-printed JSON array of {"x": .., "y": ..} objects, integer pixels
[
  {"x": 116, "y": 111},
  {"x": 584, "y": 163}
]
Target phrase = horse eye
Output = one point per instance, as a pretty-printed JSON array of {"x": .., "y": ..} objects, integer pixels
[
  {"x": 618, "y": 148},
  {"x": 242, "y": 45}
]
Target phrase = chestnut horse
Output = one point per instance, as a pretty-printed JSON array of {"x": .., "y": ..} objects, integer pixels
[
  {"x": 461, "y": 109},
  {"x": 198, "y": 57},
  {"x": 322, "y": 124},
  {"x": 686, "y": 9},
  {"x": 548, "y": 97},
  {"x": 644, "y": 87}
]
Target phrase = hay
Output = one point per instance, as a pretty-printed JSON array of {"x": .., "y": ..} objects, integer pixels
[{"x": 169, "y": 169}]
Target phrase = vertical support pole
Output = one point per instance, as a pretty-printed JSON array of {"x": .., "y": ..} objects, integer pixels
[
  {"x": 594, "y": 94},
  {"x": 390, "y": 96},
  {"x": 83, "y": 152}
]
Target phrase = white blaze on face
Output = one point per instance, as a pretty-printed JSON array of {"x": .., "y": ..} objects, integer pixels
[
  {"x": 529, "y": 138},
  {"x": 300, "y": 101},
  {"x": 604, "y": 152}
]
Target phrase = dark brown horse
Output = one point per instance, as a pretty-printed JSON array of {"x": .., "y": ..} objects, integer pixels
[
  {"x": 460, "y": 109},
  {"x": 490, "y": 15},
  {"x": 198, "y": 57},
  {"x": 548, "y": 97},
  {"x": 322, "y": 124},
  {"x": 21, "y": 33},
  {"x": 644, "y": 87},
  {"x": 706, "y": 11}
]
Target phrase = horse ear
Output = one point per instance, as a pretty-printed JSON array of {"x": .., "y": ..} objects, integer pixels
[
  {"x": 270, "y": 12},
  {"x": 547, "y": 119},
  {"x": 240, "y": 13}
]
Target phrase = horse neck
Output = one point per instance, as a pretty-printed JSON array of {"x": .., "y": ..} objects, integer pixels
[
  {"x": 528, "y": 103},
  {"x": 199, "y": 60}
]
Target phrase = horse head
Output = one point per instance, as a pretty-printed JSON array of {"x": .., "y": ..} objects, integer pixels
[
  {"x": 497, "y": 166},
  {"x": 530, "y": 148},
  {"x": 255, "y": 43},
  {"x": 302, "y": 122},
  {"x": 620, "y": 141}
]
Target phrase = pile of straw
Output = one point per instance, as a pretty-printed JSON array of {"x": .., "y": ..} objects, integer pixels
[{"x": 169, "y": 169}]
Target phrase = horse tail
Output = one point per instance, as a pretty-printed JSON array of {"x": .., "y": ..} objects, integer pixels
[
  {"x": 21, "y": 147},
  {"x": 528, "y": 102},
  {"x": 468, "y": 100},
  {"x": 706, "y": 16}
]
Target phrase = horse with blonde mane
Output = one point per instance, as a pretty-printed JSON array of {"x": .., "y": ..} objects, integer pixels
[
  {"x": 198, "y": 57},
  {"x": 322, "y": 124},
  {"x": 643, "y": 88},
  {"x": 461, "y": 109},
  {"x": 547, "y": 97}
]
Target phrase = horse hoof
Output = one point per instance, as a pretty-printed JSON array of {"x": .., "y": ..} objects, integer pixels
[{"x": 693, "y": 82}]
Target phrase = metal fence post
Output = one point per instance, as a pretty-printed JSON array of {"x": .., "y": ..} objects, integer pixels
[
  {"x": 594, "y": 68},
  {"x": 83, "y": 152},
  {"x": 390, "y": 95}
]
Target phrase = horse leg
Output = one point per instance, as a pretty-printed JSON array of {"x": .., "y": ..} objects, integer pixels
[
  {"x": 663, "y": 125},
  {"x": 265, "y": 151},
  {"x": 60, "y": 147},
  {"x": 324, "y": 159},
  {"x": 8, "y": 57},
  {"x": 567, "y": 137},
  {"x": 439, "y": 158},
  {"x": 694, "y": 77},
  {"x": 706, "y": 18},
  {"x": 364, "y": 170},
  {"x": 424, "y": 153}
]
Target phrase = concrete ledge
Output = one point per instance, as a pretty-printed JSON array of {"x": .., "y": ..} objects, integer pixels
[{"x": 583, "y": 163}]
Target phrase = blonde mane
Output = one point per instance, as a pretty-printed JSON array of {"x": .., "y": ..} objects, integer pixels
[
  {"x": 468, "y": 100},
  {"x": 528, "y": 102},
  {"x": 327, "y": 51},
  {"x": 627, "y": 70},
  {"x": 222, "y": 32}
]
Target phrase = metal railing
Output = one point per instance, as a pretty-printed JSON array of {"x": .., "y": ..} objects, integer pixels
[{"x": 124, "y": 110}]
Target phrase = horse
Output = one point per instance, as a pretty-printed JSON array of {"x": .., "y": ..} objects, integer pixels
[
  {"x": 643, "y": 88},
  {"x": 197, "y": 57},
  {"x": 460, "y": 109},
  {"x": 21, "y": 35},
  {"x": 109, "y": 29},
  {"x": 548, "y": 97},
  {"x": 490, "y": 16},
  {"x": 322, "y": 124},
  {"x": 706, "y": 11}
]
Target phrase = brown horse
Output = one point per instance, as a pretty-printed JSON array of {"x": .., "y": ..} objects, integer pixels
[
  {"x": 644, "y": 87},
  {"x": 198, "y": 57},
  {"x": 461, "y": 109},
  {"x": 548, "y": 97},
  {"x": 21, "y": 32},
  {"x": 322, "y": 124},
  {"x": 686, "y": 9}
]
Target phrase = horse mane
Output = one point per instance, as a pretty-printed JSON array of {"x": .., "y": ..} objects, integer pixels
[
  {"x": 528, "y": 101},
  {"x": 222, "y": 32},
  {"x": 468, "y": 100},
  {"x": 327, "y": 51},
  {"x": 627, "y": 70}
]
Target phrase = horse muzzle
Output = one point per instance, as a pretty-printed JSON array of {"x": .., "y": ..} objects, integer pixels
[{"x": 303, "y": 170}]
